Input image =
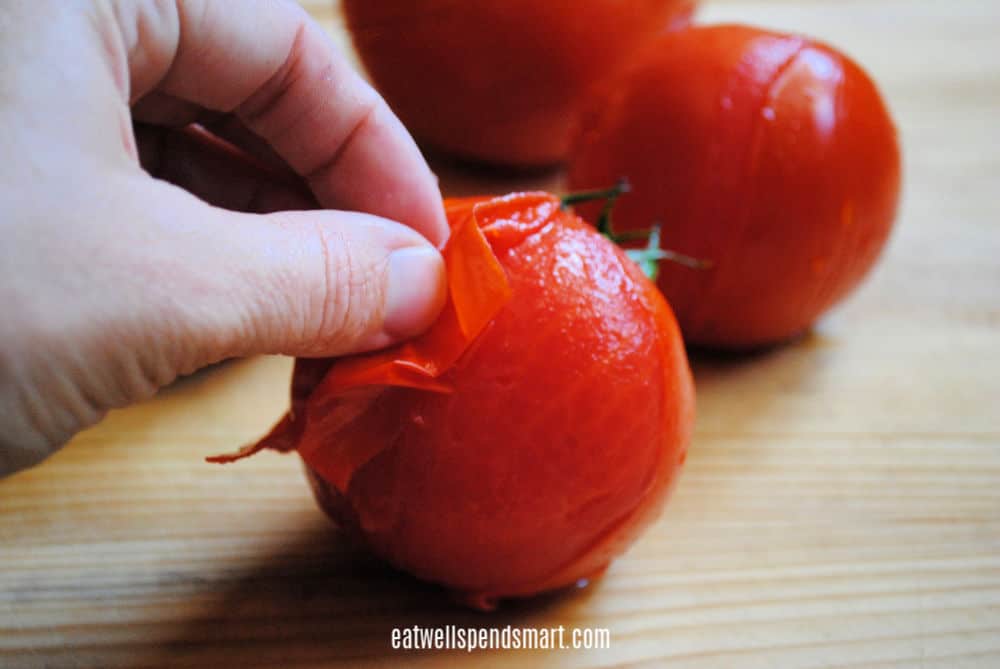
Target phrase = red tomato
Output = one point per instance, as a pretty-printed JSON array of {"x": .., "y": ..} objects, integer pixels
[
  {"x": 499, "y": 80},
  {"x": 530, "y": 436},
  {"x": 770, "y": 155}
]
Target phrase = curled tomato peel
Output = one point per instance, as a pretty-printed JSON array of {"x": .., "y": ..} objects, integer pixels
[{"x": 477, "y": 290}]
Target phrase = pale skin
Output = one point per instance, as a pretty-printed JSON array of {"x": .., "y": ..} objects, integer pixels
[{"x": 130, "y": 254}]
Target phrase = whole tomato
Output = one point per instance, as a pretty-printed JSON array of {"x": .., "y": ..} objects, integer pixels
[
  {"x": 527, "y": 438},
  {"x": 499, "y": 80},
  {"x": 772, "y": 156}
]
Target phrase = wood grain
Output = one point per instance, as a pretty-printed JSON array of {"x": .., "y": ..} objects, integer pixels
[{"x": 841, "y": 505}]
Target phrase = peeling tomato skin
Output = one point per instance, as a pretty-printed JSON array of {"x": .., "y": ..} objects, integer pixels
[
  {"x": 499, "y": 80},
  {"x": 566, "y": 428},
  {"x": 770, "y": 155}
]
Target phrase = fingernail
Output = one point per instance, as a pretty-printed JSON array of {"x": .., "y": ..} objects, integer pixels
[{"x": 415, "y": 291}]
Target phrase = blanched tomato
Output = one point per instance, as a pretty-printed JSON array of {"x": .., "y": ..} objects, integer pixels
[
  {"x": 499, "y": 80},
  {"x": 529, "y": 436},
  {"x": 770, "y": 155}
]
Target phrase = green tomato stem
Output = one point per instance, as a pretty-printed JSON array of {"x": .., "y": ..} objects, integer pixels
[{"x": 648, "y": 258}]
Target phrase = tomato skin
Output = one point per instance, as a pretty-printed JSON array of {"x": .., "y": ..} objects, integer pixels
[
  {"x": 499, "y": 80},
  {"x": 772, "y": 156},
  {"x": 568, "y": 424}
]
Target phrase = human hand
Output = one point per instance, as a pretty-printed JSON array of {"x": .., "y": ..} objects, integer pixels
[{"x": 113, "y": 281}]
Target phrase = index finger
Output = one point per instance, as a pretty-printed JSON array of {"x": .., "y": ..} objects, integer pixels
[{"x": 271, "y": 65}]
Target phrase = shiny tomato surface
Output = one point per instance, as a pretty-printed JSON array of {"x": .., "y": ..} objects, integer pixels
[
  {"x": 770, "y": 155},
  {"x": 536, "y": 456},
  {"x": 499, "y": 80}
]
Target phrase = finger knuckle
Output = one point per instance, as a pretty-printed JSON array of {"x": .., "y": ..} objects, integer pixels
[{"x": 351, "y": 293}]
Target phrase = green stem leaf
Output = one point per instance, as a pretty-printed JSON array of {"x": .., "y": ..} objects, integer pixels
[{"x": 647, "y": 258}]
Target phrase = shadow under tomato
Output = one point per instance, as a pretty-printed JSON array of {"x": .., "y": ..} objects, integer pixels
[
  {"x": 321, "y": 600},
  {"x": 747, "y": 394},
  {"x": 792, "y": 358},
  {"x": 462, "y": 178}
]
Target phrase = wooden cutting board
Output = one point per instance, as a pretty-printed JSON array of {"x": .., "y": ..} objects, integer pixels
[{"x": 840, "y": 507}]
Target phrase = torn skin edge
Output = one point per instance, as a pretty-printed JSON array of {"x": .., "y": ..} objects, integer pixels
[{"x": 477, "y": 290}]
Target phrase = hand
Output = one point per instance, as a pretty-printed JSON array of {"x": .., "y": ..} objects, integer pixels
[{"x": 114, "y": 281}]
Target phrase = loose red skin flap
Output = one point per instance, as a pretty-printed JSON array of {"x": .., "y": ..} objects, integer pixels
[{"x": 329, "y": 393}]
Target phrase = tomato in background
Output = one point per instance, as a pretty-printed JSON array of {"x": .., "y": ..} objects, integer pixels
[
  {"x": 536, "y": 451},
  {"x": 499, "y": 80},
  {"x": 770, "y": 155}
]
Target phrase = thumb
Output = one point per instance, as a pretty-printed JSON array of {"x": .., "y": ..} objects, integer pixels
[{"x": 308, "y": 283}]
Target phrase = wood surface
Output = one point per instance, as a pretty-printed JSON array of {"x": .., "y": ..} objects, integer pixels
[{"x": 840, "y": 506}]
